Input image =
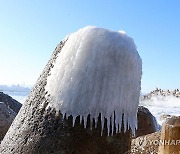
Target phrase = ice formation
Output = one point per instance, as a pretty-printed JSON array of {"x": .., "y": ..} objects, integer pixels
[{"x": 97, "y": 71}]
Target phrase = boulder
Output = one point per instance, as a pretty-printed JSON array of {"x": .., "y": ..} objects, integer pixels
[
  {"x": 146, "y": 122},
  {"x": 165, "y": 117},
  {"x": 7, "y": 116},
  {"x": 10, "y": 102},
  {"x": 9, "y": 108},
  {"x": 40, "y": 128},
  {"x": 146, "y": 144},
  {"x": 170, "y": 135}
]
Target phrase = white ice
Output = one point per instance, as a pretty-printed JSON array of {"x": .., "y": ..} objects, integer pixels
[{"x": 97, "y": 71}]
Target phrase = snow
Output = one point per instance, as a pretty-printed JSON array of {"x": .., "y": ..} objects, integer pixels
[{"x": 97, "y": 71}]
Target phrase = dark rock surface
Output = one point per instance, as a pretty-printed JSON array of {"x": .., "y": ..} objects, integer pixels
[
  {"x": 146, "y": 122},
  {"x": 9, "y": 108},
  {"x": 37, "y": 130},
  {"x": 6, "y": 118},
  {"x": 10, "y": 102}
]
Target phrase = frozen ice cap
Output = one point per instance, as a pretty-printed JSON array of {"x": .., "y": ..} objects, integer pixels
[{"x": 97, "y": 71}]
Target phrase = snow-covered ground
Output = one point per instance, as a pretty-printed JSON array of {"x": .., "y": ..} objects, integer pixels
[{"x": 158, "y": 105}]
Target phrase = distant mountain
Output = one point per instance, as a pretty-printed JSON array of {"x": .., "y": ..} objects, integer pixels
[{"x": 15, "y": 89}]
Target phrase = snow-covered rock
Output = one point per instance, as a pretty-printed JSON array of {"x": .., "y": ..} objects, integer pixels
[
  {"x": 97, "y": 71},
  {"x": 44, "y": 124},
  {"x": 10, "y": 102}
]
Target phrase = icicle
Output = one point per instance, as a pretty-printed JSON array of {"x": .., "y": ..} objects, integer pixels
[
  {"x": 133, "y": 125},
  {"x": 133, "y": 132},
  {"x": 108, "y": 125},
  {"x": 96, "y": 121},
  {"x": 102, "y": 124},
  {"x": 64, "y": 116},
  {"x": 80, "y": 119},
  {"x": 85, "y": 121},
  {"x": 117, "y": 122},
  {"x": 112, "y": 121},
  {"x": 128, "y": 124},
  {"x": 120, "y": 123},
  {"x": 67, "y": 116},
  {"x": 125, "y": 123},
  {"x": 91, "y": 122},
  {"x": 74, "y": 119},
  {"x": 133, "y": 129},
  {"x": 117, "y": 128}
]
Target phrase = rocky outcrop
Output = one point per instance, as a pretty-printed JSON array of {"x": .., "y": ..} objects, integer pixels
[
  {"x": 7, "y": 116},
  {"x": 165, "y": 117},
  {"x": 39, "y": 130},
  {"x": 165, "y": 141},
  {"x": 10, "y": 102},
  {"x": 162, "y": 93},
  {"x": 9, "y": 108},
  {"x": 170, "y": 134},
  {"x": 146, "y": 122},
  {"x": 146, "y": 144},
  {"x": 92, "y": 70}
]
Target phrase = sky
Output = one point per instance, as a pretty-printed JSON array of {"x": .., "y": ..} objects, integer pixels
[{"x": 30, "y": 31}]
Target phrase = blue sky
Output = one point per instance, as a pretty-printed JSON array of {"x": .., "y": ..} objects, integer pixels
[{"x": 30, "y": 30}]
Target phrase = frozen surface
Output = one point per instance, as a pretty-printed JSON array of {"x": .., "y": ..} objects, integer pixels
[{"x": 97, "y": 71}]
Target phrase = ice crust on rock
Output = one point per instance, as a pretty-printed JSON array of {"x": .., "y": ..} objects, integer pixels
[{"x": 97, "y": 71}]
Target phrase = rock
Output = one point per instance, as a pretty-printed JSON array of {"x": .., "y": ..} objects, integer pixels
[
  {"x": 165, "y": 117},
  {"x": 10, "y": 102},
  {"x": 161, "y": 94},
  {"x": 170, "y": 134},
  {"x": 146, "y": 144},
  {"x": 7, "y": 116},
  {"x": 39, "y": 128},
  {"x": 9, "y": 108},
  {"x": 146, "y": 122}
]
